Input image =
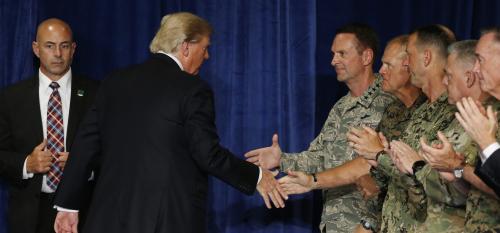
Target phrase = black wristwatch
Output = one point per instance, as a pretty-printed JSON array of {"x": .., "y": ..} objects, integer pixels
[
  {"x": 417, "y": 166},
  {"x": 314, "y": 177},
  {"x": 366, "y": 225}
]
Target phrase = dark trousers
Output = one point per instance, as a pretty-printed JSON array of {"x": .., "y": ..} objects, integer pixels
[{"x": 46, "y": 213}]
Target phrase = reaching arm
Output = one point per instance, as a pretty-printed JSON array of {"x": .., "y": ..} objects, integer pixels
[
  {"x": 345, "y": 174},
  {"x": 211, "y": 157}
]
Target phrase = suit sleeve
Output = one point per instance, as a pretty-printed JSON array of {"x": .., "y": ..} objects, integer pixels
[
  {"x": 204, "y": 145},
  {"x": 11, "y": 162},
  {"x": 489, "y": 172},
  {"x": 85, "y": 150}
]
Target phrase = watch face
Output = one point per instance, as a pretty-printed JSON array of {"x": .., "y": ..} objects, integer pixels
[
  {"x": 458, "y": 173},
  {"x": 366, "y": 225}
]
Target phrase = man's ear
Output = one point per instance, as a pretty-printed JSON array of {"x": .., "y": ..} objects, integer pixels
[
  {"x": 185, "y": 49},
  {"x": 73, "y": 48},
  {"x": 36, "y": 48},
  {"x": 470, "y": 78},
  {"x": 367, "y": 57},
  {"x": 427, "y": 57}
]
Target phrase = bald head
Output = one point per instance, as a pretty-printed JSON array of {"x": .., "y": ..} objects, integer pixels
[
  {"x": 54, "y": 47},
  {"x": 53, "y": 25}
]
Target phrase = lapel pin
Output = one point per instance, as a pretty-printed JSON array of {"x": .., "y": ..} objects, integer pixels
[{"x": 80, "y": 92}]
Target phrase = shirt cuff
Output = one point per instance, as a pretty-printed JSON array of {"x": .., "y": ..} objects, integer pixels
[
  {"x": 260, "y": 175},
  {"x": 26, "y": 175},
  {"x": 488, "y": 151},
  {"x": 60, "y": 209}
]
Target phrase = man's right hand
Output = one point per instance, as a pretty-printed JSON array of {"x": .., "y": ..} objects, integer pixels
[
  {"x": 268, "y": 187},
  {"x": 442, "y": 157},
  {"x": 66, "y": 222},
  {"x": 365, "y": 142},
  {"x": 480, "y": 124},
  {"x": 367, "y": 186},
  {"x": 267, "y": 157},
  {"x": 296, "y": 182},
  {"x": 39, "y": 160}
]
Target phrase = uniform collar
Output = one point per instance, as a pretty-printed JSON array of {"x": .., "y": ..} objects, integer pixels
[{"x": 373, "y": 91}]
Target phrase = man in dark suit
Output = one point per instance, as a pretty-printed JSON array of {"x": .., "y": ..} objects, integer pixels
[
  {"x": 38, "y": 121},
  {"x": 479, "y": 123},
  {"x": 153, "y": 129}
]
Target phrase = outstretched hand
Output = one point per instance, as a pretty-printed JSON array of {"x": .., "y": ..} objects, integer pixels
[
  {"x": 267, "y": 157},
  {"x": 296, "y": 182},
  {"x": 269, "y": 188}
]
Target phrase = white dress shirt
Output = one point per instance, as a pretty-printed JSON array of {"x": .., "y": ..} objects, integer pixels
[
  {"x": 44, "y": 92},
  {"x": 488, "y": 151}
]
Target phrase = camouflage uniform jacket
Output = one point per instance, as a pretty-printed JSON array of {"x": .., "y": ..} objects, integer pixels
[
  {"x": 405, "y": 206},
  {"x": 482, "y": 213},
  {"x": 343, "y": 206},
  {"x": 446, "y": 201},
  {"x": 392, "y": 125}
]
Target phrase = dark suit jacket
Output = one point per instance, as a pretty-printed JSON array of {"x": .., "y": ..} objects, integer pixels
[
  {"x": 20, "y": 131},
  {"x": 153, "y": 127},
  {"x": 489, "y": 172}
]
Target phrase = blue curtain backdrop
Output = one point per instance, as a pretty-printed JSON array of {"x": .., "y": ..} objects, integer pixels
[{"x": 269, "y": 67}]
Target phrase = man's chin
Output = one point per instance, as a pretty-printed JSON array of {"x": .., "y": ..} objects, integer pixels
[
  {"x": 58, "y": 72},
  {"x": 341, "y": 78}
]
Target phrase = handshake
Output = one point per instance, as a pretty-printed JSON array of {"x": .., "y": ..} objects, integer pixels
[
  {"x": 268, "y": 187},
  {"x": 353, "y": 172}
]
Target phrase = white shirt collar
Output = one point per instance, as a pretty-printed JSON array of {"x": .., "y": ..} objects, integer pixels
[
  {"x": 171, "y": 55},
  {"x": 64, "y": 82}
]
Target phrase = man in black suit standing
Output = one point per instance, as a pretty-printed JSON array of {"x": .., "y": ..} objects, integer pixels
[
  {"x": 38, "y": 121},
  {"x": 481, "y": 124},
  {"x": 153, "y": 129}
]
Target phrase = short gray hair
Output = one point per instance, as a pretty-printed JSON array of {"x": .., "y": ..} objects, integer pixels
[
  {"x": 177, "y": 28},
  {"x": 465, "y": 51},
  {"x": 494, "y": 30},
  {"x": 401, "y": 40}
]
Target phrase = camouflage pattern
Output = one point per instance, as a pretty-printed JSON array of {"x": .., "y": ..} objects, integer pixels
[
  {"x": 343, "y": 206},
  {"x": 446, "y": 201},
  {"x": 482, "y": 210},
  {"x": 405, "y": 206},
  {"x": 395, "y": 119}
]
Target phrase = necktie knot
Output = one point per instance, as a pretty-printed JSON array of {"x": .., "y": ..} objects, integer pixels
[{"x": 54, "y": 85}]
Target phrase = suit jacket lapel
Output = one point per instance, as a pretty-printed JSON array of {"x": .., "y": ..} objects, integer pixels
[
  {"x": 36, "y": 115},
  {"x": 76, "y": 109}
]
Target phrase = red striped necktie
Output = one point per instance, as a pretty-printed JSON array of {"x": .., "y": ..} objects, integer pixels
[{"x": 55, "y": 135}]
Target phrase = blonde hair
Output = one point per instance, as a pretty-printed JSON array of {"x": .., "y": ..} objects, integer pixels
[{"x": 177, "y": 28}]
